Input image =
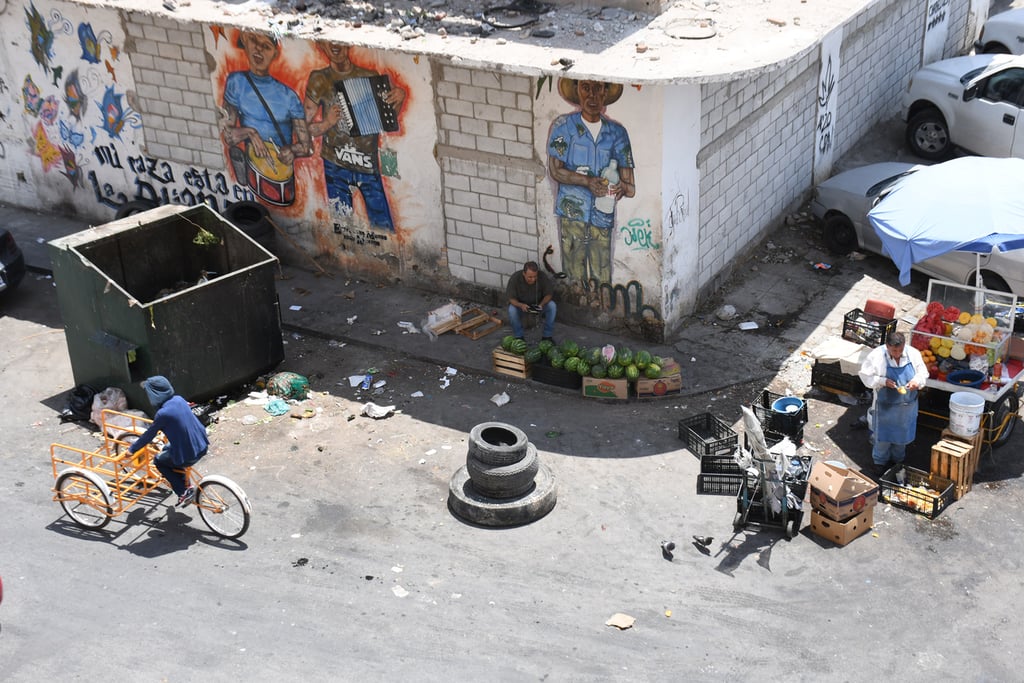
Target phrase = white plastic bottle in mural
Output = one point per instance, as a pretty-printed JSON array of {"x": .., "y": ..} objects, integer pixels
[{"x": 606, "y": 203}]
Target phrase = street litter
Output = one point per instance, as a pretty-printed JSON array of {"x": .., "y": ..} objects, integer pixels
[
  {"x": 335, "y": 344},
  {"x": 276, "y": 407},
  {"x": 257, "y": 398},
  {"x": 295, "y": 307},
  {"x": 451, "y": 371},
  {"x": 377, "y": 412},
  {"x": 301, "y": 413},
  {"x": 352, "y": 319},
  {"x": 822, "y": 266},
  {"x": 749, "y": 325},
  {"x": 379, "y": 383},
  {"x": 500, "y": 399},
  {"x": 355, "y": 380},
  {"x": 620, "y": 621},
  {"x": 417, "y": 394},
  {"x": 408, "y": 327}
]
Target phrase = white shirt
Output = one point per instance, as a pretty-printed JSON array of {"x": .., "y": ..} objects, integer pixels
[{"x": 873, "y": 369}]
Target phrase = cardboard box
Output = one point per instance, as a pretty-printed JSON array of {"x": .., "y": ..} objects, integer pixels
[
  {"x": 1015, "y": 349},
  {"x": 840, "y": 493},
  {"x": 663, "y": 386},
  {"x": 605, "y": 388},
  {"x": 842, "y": 533}
]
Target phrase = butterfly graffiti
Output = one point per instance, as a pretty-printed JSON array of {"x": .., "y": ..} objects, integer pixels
[
  {"x": 71, "y": 136},
  {"x": 74, "y": 98},
  {"x": 41, "y": 38}
]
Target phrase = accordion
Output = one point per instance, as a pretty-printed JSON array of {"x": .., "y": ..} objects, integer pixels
[{"x": 363, "y": 108}]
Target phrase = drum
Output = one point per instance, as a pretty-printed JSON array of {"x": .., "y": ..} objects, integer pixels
[{"x": 270, "y": 179}]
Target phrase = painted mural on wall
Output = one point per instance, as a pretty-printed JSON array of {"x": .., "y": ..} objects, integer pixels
[
  {"x": 70, "y": 116},
  {"x": 308, "y": 127},
  {"x": 603, "y": 248}
]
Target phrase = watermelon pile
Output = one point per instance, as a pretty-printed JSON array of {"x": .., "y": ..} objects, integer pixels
[{"x": 606, "y": 361}]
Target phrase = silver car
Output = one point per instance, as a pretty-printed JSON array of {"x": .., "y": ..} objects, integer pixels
[{"x": 842, "y": 203}]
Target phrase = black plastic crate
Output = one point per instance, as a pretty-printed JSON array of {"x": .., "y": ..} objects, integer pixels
[
  {"x": 909, "y": 496},
  {"x": 706, "y": 434},
  {"x": 719, "y": 484},
  {"x": 867, "y": 329},
  {"x": 719, "y": 464},
  {"x": 788, "y": 424},
  {"x": 830, "y": 377},
  {"x": 558, "y": 377}
]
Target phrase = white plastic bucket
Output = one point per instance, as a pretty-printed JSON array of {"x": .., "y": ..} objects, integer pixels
[{"x": 965, "y": 411}]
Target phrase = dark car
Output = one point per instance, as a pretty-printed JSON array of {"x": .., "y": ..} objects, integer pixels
[{"x": 12, "y": 262}]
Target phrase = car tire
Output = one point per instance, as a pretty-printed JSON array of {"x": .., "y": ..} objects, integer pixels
[
  {"x": 993, "y": 282},
  {"x": 497, "y": 443},
  {"x": 504, "y": 481},
  {"x": 133, "y": 207},
  {"x": 995, "y": 49},
  {"x": 839, "y": 234},
  {"x": 928, "y": 135}
]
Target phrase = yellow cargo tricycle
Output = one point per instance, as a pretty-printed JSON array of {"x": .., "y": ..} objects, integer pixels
[{"x": 95, "y": 486}]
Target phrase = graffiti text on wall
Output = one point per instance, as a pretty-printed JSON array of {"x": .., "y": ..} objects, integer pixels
[
  {"x": 638, "y": 236},
  {"x": 360, "y": 237},
  {"x": 936, "y": 14},
  {"x": 156, "y": 182},
  {"x": 825, "y": 89}
]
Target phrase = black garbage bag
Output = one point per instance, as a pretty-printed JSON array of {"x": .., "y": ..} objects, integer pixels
[{"x": 79, "y": 404}]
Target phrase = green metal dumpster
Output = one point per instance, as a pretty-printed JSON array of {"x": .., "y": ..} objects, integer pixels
[{"x": 175, "y": 291}]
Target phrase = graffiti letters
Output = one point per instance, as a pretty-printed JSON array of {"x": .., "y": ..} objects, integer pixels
[
  {"x": 936, "y": 14},
  {"x": 637, "y": 234},
  {"x": 632, "y": 299},
  {"x": 360, "y": 237},
  {"x": 825, "y": 89}
]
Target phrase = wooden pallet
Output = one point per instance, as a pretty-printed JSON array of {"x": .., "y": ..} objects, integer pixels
[
  {"x": 955, "y": 459},
  {"x": 476, "y": 324},
  {"x": 507, "y": 363}
]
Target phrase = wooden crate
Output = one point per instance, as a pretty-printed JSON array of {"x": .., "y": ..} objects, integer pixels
[
  {"x": 476, "y": 324},
  {"x": 953, "y": 460},
  {"x": 507, "y": 363}
]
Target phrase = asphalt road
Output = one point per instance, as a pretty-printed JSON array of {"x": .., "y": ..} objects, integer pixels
[{"x": 354, "y": 569}]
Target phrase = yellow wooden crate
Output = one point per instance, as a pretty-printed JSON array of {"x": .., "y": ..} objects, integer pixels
[{"x": 510, "y": 364}]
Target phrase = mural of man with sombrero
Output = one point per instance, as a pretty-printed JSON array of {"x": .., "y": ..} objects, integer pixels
[{"x": 590, "y": 158}]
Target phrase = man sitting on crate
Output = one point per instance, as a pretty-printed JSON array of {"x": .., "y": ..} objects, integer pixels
[
  {"x": 187, "y": 441},
  {"x": 530, "y": 291},
  {"x": 896, "y": 372}
]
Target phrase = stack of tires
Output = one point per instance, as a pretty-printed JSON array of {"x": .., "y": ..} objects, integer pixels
[{"x": 503, "y": 482}]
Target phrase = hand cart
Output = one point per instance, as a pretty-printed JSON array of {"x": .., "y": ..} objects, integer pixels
[{"x": 756, "y": 503}]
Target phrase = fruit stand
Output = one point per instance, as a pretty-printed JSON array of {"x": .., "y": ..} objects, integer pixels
[{"x": 965, "y": 338}]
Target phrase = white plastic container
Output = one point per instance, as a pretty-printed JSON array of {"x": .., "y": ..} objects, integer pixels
[{"x": 965, "y": 411}]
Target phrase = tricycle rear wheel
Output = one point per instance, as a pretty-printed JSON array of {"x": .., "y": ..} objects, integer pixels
[{"x": 85, "y": 498}]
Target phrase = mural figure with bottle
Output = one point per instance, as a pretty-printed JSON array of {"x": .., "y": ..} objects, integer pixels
[{"x": 591, "y": 160}]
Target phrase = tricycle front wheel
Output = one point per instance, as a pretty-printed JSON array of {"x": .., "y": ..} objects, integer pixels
[
  {"x": 85, "y": 498},
  {"x": 223, "y": 506}
]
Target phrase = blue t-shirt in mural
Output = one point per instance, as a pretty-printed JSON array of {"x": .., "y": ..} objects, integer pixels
[
  {"x": 281, "y": 99},
  {"x": 572, "y": 144}
]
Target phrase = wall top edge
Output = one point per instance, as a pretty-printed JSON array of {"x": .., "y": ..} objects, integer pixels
[{"x": 750, "y": 37}]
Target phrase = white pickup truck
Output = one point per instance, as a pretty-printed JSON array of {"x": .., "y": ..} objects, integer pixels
[
  {"x": 1003, "y": 33},
  {"x": 972, "y": 102}
]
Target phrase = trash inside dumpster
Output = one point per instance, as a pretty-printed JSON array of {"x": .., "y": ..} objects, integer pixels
[{"x": 176, "y": 291}]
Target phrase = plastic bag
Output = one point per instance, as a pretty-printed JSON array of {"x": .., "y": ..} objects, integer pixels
[
  {"x": 110, "y": 398},
  {"x": 79, "y": 404},
  {"x": 288, "y": 385}
]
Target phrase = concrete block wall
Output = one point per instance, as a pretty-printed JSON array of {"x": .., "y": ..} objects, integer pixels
[
  {"x": 173, "y": 91},
  {"x": 489, "y": 173},
  {"x": 872, "y": 80},
  {"x": 755, "y": 159}
]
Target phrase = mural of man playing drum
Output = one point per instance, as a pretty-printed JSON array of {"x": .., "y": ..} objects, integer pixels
[{"x": 266, "y": 127}]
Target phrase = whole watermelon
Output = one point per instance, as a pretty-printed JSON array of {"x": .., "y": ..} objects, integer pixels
[
  {"x": 599, "y": 371},
  {"x": 556, "y": 358},
  {"x": 594, "y": 356},
  {"x": 533, "y": 355},
  {"x": 583, "y": 368},
  {"x": 652, "y": 371},
  {"x": 642, "y": 359},
  {"x": 518, "y": 347},
  {"x": 545, "y": 346},
  {"x": 506, "y": 342},
  {"x": 624, "y": 356},
  {"x": 569, "y": 348},
  {"x": 571, "y": 363},
  {"x": 632, "y": 372},
  {"x": 616, "y": 371}
]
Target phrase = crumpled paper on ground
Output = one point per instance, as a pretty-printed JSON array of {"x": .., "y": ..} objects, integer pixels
[
  {"x": 377, "y": 412},
  {"x": 500, "y": 399}
]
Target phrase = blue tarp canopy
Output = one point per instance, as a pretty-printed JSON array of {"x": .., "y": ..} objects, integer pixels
[{"x": 973, "y": 204}]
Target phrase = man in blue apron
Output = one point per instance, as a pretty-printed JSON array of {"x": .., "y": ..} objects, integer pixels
[{"x": 896, "y": 372}]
